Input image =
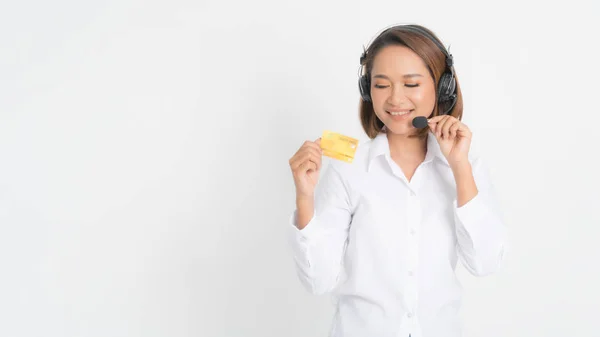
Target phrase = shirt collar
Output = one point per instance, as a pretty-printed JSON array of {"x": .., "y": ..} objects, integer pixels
[{"x": 380, "y": 146}]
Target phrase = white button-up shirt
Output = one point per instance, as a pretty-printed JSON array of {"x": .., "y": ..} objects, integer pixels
[{"x": 387, "y": 248}]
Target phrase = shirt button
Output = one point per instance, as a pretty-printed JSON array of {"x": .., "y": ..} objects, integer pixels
[
  {"x": 410, "y": 273},
  {"x": 409, "y": 315},
  {"x": 413, "y": 231}
]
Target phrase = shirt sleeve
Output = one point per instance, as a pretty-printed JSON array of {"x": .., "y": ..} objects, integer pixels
[
  {"x": 480, "y": 229},
  {"x": 319, "y": 247}
]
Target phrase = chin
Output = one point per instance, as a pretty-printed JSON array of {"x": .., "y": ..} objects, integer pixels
[{"x": 400, "y": 129}]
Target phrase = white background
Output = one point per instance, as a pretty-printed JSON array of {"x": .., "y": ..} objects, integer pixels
[{"x": 144, "y": 146}]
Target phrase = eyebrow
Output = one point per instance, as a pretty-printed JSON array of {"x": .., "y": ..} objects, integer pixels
[{"x": 405, "y": 76}]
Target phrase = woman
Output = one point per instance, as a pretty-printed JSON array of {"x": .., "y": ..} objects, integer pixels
[{"x": 384, "y": 233}]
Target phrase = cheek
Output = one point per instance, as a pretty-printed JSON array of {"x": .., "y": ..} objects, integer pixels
[
  {"x": 420, "y": 95},
  {"x": 378, "y": 95},
  {"x": 424, "y": 97}
]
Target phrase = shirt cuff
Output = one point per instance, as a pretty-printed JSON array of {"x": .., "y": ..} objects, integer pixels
[
  {"x": 309, "y": 232},
  {"x": 472, "y": 212}
]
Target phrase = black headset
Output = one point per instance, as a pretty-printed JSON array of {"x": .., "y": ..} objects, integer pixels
[{"x": 446, "y": 90}]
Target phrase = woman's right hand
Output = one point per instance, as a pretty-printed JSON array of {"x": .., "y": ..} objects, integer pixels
[{"x": 306, "y": 165}]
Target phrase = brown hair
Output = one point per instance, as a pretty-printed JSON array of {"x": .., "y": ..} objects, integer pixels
[{"x": 432, "y": 56}]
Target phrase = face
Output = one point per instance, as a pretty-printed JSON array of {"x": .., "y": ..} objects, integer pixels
[{"x": 401, "y": 89}]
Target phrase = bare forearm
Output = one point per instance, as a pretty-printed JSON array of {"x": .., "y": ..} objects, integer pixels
[
  {"x": 306, "y": 208},
  {"x": 466, "y": 189}
]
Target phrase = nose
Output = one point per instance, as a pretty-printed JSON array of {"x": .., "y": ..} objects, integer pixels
[{"x": 397, "y": 95}]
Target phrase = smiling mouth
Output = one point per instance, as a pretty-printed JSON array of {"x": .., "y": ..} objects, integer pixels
[{"x": 400, "y": 113}]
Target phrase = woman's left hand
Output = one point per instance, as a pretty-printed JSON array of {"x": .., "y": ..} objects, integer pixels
[{"x": 454, "y": 138}]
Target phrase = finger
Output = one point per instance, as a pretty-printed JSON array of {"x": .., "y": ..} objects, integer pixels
[
  {"x": 447, "y": 125},
  {"x": 316, "y": 157},
  {"x": 294, "y": 162},
  {"x": 300, "y": 158},
  {"x": 433, "y": 123},
  {"x": 454, "y": 129},
  {"x": 463, "y": 131},
  {"x": 306, "y": 145},
  {"x": 309, "y": 155},
  {"x": 315, "y": 164},
  {"x": 306, "y": 167},
  {"x": 432, "y": 126},
  {"x": 317, "y": 152},
  {"x": 300, "y": 166},
  {"x": 315, "y": 145},
  {"x": 448, "y": 122},
  {"x": 310, "y": 165},
  {"x": 436, "y": 119},
  {"x": 318, "y": 142},
  {"x": 440, "y": 127}
]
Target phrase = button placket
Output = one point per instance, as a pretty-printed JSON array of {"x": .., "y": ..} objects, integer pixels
[{"x": 413, "y": 217}]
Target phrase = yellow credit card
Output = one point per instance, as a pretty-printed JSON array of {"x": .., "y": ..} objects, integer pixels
[{"x": 338, "y": 146}]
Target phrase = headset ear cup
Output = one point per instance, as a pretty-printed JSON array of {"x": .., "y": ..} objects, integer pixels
[
  {"x": 451, "y": 85},
  {"x": 365, "y": 88},
  {"x": 446, "y": 87}
]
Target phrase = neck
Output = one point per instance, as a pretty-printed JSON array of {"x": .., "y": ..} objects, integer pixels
[{"x": 405, "y": 147}]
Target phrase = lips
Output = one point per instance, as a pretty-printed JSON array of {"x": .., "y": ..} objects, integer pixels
[{"x": 399, "y": 112}]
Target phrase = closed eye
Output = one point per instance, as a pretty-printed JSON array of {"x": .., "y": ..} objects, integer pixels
[{"x": 385, "y": 86}]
